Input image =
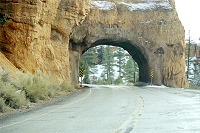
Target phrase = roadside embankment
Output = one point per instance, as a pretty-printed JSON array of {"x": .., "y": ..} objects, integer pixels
[{"x": 27, "y": 90}]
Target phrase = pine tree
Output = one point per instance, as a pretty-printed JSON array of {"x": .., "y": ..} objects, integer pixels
[
  {"x": 108, "y": 63},
  {"x": 88, "y": 61},
  {"x": 120, "y": 55},
  {"x": 131, "y": 71},
  {"x": 100, "y": 54},
  {"x": 91, "y": 57},
  {"x": 196, "y": 80},
  {"x": 85, "y": 66}
]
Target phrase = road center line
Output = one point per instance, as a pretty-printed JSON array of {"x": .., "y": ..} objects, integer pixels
[
  {"x": 19, "y": 122},
  {"x": 132, "y": 121}
]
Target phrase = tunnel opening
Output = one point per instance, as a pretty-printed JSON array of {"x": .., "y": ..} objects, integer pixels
[{"x": 133, "y": 50}]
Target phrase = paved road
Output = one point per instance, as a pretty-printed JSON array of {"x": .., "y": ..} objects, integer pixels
[{"x": 112, "y": 109}]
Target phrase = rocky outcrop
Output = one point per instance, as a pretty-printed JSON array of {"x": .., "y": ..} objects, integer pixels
[
  {"x": 149, "y": 30},
  {"x": 51, "y": 35},
  {"x": 35, "y": 33}
]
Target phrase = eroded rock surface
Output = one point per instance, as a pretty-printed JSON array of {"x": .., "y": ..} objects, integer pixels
[
  {"x": 51, "y": 35},
  {"x": 36, "y": 33}
]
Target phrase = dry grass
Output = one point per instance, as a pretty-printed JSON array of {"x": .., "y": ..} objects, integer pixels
[
  {"x": 14, "y": 93},
  {"x": 66, "y": 87},
  {"x": 3, "y": 106},
  {"x": 9, "y": 95},
  {"x": 38, "y": 87},
  {"x": 13, "y": 98}
]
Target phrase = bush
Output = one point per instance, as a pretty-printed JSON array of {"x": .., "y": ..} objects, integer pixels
[
  {"x": 3, "y": 19},
  {"x": 194, "y": 86},
  {"x": 13, "y": 98},
  {"x": 38, "y": 90},
  {"x": 102, "y": 82},
  {"x": 66, "y": 87},
  {"x": 3, "y": 107},
  {"x": 14, "y": 93},
  {"x": 8, "y": 93},
  {"x": 37, "y": 87},
  {"x": 4, "y": 76},
  {"x": 40, "y": 86}
]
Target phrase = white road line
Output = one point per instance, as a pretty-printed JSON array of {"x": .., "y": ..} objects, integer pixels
[{"x": 19, "y": 122}]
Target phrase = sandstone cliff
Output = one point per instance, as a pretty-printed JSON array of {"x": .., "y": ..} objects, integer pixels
[
  {"x": 51, "y": 35},
  {"x": 36, "y": 33},
  {"x": 149, "y": 30}
]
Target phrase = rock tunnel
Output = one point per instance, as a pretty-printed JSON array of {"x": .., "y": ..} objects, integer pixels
[
  {"x": 133, "y": 50},
  {"x": 154, "y": 37},
  {"x": 37, "y": 33}
]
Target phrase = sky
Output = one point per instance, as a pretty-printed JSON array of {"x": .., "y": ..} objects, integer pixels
[{"x": 188, "y": 12}]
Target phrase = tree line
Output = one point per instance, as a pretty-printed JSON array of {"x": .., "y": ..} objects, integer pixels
[
  {"x": 193, "y": 65},
  {"x": 108, "y": 65}
]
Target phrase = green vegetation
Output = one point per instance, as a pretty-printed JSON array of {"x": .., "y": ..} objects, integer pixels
[
  {"x": 10, "y": 97},
  {"x": 116, "y": 64},
  {"x": 193, "y": 65},
  {"x": 120, "y": 55},
  {"x": 131, "y": 71},
  {"x": 89, "y": 59},
  {"x": 25, "y": 88},
  {"x": 3, "y": 19},
  {"x": 195, "y": 82},
  {"x": 108, "y": 63}
]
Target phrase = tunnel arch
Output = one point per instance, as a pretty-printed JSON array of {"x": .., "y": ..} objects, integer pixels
[
  {"x": 132, "y": 49},
  {"x": 149, "y": 37}
]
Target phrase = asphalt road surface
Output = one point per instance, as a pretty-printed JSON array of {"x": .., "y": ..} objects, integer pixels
[{"x": 114, "y": 109}]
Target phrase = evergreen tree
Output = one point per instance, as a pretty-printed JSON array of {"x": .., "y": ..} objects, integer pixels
[
  {"x": 100, "y": 54},
  {"x": 131, "y": 71},
  {"x": 85, "y": 66},
  {"x": 91, "y": 57},
  {"x": 108, "y": 63},
  {"x": 120, "y": 55},
  {"x": 196, "y": 80},
  {"x": 88, "y": 61},
  {"x": 198, "y": 77}
]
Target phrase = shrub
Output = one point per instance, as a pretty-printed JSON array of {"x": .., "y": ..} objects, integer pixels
[
  {"x": 23, "y": 81},
  {"x": 14, "y": 92},
  {"x": 4, "y": 75},
  {"x": 38, "y": 87},
  {"x": 13, "y": 98},
  {"x": 3, "y": 19},
  {"x": 3, "y": 107},
  {"x": 52, "y": 85},
  {"x": 66, "y": 87},
  {"x": 9, "y": 95},
  {"x": 35, "y": 86},
  {"x": 194, "y": 86},
  {"x": 102, "y": 82}
]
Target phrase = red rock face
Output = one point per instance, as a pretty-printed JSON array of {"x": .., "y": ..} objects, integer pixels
[
  {"x": 36, "y": 33},
  {"x": 50, "y": 35},
  {"x": 150, "y": 32}
]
